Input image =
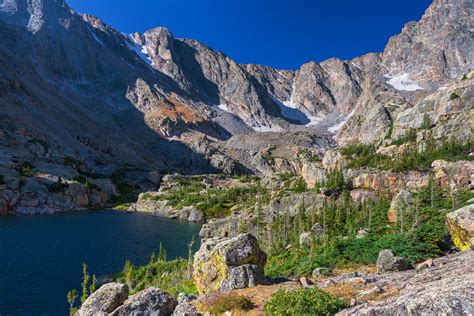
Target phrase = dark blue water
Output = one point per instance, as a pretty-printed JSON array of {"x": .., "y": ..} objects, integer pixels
[{"x": 41, "y": 256}]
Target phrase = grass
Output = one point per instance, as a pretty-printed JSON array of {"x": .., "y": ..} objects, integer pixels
[
  {"x": 172, "y": 276},
  {"x": 221, "y": 303},
  {"x": 303, "y": 301}
]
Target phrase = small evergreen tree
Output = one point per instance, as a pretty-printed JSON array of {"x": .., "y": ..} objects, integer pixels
[
  {"x": 71, "y": 299},
  {"x": 426, "y": 122},
  {"x": 161, "y": 254},
  {"x": 93, "y": 285},
  {"x": 85, "y": 283}
]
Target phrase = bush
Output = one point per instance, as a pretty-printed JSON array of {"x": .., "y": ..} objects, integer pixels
[
  {"x": 220, "y": 304},
  {"x": 2, "y": 180},
  {"x": 303, "y": 301}
]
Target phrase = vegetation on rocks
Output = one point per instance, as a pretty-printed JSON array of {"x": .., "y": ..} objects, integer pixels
[
  {"x": 366, "y": 156},
  {"x": 221, "y": 303},
  {"x": 356, "y": 233},
  {"x": 303, "y": 301},
  {"x": 172, "y": 276},
  {"x": 212, "y": 202}
]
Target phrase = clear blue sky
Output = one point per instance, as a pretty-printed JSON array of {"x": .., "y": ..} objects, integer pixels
[{"x": 279, "y": 33}]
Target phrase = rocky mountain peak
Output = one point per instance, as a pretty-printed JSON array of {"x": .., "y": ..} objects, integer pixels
[
  {"x": 438, "y": 47},
  {"x": 34, "y": 14}
]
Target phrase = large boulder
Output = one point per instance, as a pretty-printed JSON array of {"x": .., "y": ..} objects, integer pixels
[
  {"x": 461, "y": 227},
  {"x": 402, "y": 202},
  {"x": 105, "y": 300},
  {"x": 388, "y": 262},
  {"x": 223, "y": 264},
  {"x": 151, "y": 301}
]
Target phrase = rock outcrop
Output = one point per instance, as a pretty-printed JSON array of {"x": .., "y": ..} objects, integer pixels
[
  {"x": 223, "y": 264},
  {"x": 151, "y": 301},
  {"x": 445, "y": 287},
  {"x": 402, "y": 202},
  {"x": 105, "y": 300},
  {"x": 461, "y": 227}
]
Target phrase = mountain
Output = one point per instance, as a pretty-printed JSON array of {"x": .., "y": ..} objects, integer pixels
[{"x": 163, "y": 103}]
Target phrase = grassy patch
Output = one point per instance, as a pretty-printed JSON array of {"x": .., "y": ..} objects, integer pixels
[
  {"x": 172, "y": 276},
  {"x": 221, "y": 303},
  {"x": 303, "y": 302}
]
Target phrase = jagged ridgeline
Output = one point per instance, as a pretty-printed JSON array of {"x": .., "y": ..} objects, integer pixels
[{"x": 344, "y": 186}]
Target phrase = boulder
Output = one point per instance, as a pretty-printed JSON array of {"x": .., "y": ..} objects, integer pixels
[
  {"x": 185, "y": 307},
  {"x": 321, "y": 272},
  {"x": 229, "y": 263},
  {"x": 242, "y": 277},
  {"x": 105, "y": 300},
  {"x": 318, "y": 231},
  {"x": 402, "y": 202},
  {"x": 151, "y": 301},
  {"x": 305, "y": 239},
  {"x": 388, "y": 262},
  {"x": 196, "y": 216},
  {"x": 461, "y": 227}
]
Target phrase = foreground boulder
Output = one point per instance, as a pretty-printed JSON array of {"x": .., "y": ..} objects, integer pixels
[
  {"x": 151, "y": 301},
  {"x": 388, "y": 262},
  {"x": 461, "y": 227},
  {"x": 223, "y": 264},
  {"x": 105, "y": 300}
]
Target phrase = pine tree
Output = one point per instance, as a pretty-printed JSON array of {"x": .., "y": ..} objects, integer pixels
[
  {"x": 93, "y": 285},
  {"x": 71, "y": 299},
  {"x": 85, "y": 283}
]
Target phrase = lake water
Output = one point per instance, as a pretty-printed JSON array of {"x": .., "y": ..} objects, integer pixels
[{"x": 41, "y": 256}]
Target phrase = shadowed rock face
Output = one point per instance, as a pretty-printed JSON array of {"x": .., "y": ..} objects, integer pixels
[{"x": 99, "y": 93}]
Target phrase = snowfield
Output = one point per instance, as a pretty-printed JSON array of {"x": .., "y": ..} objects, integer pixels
[{"x": 403, "y": 83}]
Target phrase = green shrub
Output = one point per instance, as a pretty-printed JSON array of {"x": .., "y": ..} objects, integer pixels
[
  {"x": 303, "y": 301},
  {"x": 220, "y": 304},
  {"x": 27, "y": 169},
  {"x": 454, "y": 96},
  {"x": 2, "y": 179}
]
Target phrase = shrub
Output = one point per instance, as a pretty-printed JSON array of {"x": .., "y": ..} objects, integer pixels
[
  {"x": 303, "y": 301},
  {"x": 453, "y": 96},
  {"x": 27, "y": 169},
  {"x": 2, "y": 180},
  {"x": 220, "y": 304}
]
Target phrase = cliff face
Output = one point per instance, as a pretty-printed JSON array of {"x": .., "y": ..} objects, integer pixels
[{"x": 147, "y": 98}]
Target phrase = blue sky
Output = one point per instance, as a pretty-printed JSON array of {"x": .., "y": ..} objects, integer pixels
[{"x": 279, "y": 33}]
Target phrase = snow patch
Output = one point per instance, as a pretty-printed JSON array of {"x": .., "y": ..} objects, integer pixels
[
  {"x": 338, "y": 126},
  {"x": 403, "y": 83},
  {"x": 357, "y": 66},
  {"x": 97, "y": 39},
  {"x": 141, "y": 51},
  {"x": 290, "y": 112},
  {"x": 264, "y": 128},
  {"x": 224, "y": 108}
]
